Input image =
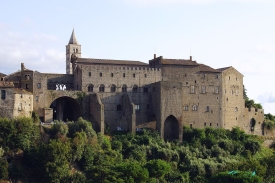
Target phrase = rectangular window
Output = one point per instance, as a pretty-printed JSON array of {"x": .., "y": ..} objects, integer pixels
[
  {"x": 192, "y": 89},
  {"x": 3, "y": 94},
  {"x": 36, "y": 98},
  {"x": 207, "y": 108},
  {"x": 38, "y": 85},
  {"x": 216, "y": 89},
  {"x": 90, "y": 74},
  {"x": 203, "y": 89},
  {"x": 20, "y": 107}
]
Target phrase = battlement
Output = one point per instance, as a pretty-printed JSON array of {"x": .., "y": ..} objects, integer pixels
[
  {"x": 254, "y": 110},
  {"x": 121, "y": 68}
]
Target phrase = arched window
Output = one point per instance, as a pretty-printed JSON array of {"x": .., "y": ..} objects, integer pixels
[
  {"x": 101, "y": 88},
  {"x": 113, "y": 88},
  {"x": 124, "y": 88},
  {"x": 195, "y": 108},
  {"x": 185, "y": 107},
  {"x": 135, "y": 89},
  {"x": 90, "y": 88}
]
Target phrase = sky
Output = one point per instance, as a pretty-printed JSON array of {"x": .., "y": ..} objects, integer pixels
[{"x": 218, "y": 33}]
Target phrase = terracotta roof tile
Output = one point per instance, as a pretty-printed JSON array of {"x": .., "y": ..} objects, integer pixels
[
  {"x": 6, "y": 84},
  {"x": 223, "y": 69},
  {"x": 107, "y": 61},
  {"x": 21, "y": 91},
  {"x": 206, "y": 68},
  {"x": 178, "y": 62}
]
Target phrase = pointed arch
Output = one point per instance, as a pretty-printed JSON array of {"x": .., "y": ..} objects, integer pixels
[{"x": 171, "y": 128}]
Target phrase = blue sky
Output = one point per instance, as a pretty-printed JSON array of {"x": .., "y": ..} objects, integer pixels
[{"x": 218, "y": 33}]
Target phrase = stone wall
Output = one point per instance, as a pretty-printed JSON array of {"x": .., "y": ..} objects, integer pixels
[
  {"x": 7, "y": 104},
  {"x": 201, "y": 95},
  {"x": 129, "y": 113},
  {"x": 167, "y": 101},
  {"x": 43, "y": 84},
  {"x": 97, "y": 113},
  {"x": 233, "y": 102},
  {"x": 246, "y": 123},
  {"x": 23, "y": 103},
  {"x": 115, "y": 75}
]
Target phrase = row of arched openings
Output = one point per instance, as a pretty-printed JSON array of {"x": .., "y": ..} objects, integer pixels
[
  {"x": 113, "y": 88},
  {"x": 194, "y": 108}
]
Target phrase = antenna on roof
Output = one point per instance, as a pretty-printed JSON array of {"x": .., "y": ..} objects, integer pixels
[
  {"x": 190, "y": 54},
  {"x": 155, "y": 52}
]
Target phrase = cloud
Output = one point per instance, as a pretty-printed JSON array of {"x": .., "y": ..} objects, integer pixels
[
  {"x": 37, "y": 51},
  {"x": 268, "y": 97}
]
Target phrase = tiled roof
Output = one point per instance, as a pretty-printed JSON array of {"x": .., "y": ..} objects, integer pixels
[
  {"x": 223, "y": 69},
  {"x": 206, "y": 68},
  {"x": 21, "y": 91},
  {"x": 6, "y": 84},
  {"x": 178, "y": 62},
  {"x": 110, "y": 62},
  {"x": 2, "y": 75}
]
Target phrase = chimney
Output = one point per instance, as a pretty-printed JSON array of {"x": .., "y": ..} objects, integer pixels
[
  {"x": 190, "y": 58},
  {"x": 155, "y": 56},
  {"x": 22, "y": 67}
]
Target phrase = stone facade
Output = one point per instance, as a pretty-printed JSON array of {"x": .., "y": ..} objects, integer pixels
[
  {"x": 165, "y": 94},
  {"x": 15, "y": 102}
]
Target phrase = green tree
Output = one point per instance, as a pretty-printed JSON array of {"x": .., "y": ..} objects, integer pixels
[
  {"x": 59, "y": 129},
  {"x": 81, "y": 125},
  {"x": 78, "y": 144},
  {"x": 158, "y": 168},
  {"x": 59, "y": 154},
  {"x": 132, "y": 172},
  {"x": 4, "y": 174}
]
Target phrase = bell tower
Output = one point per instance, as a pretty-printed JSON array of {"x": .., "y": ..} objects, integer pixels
[{"x": 72, "y": 47}]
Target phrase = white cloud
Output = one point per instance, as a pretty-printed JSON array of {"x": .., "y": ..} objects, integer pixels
[
  {"x": 37, "y": 51},
  {"x": 268, "y": 97}
]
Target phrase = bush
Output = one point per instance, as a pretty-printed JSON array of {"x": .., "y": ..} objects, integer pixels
[{"x": 239, "y": 177}]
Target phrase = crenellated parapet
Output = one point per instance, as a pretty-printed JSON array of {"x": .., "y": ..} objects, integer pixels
[{"x": 252, "y": 122}]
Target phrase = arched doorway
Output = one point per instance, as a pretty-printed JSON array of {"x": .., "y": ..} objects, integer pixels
[
  {"x": 171, "y": 128},
  {"x": 65, "y": 109}
]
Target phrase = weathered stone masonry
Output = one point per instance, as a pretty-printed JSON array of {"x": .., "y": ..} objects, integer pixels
[{"x": 124, "y": 95}]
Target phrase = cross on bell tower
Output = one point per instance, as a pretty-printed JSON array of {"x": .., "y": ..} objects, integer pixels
[{"x": 72, "y": 47}]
